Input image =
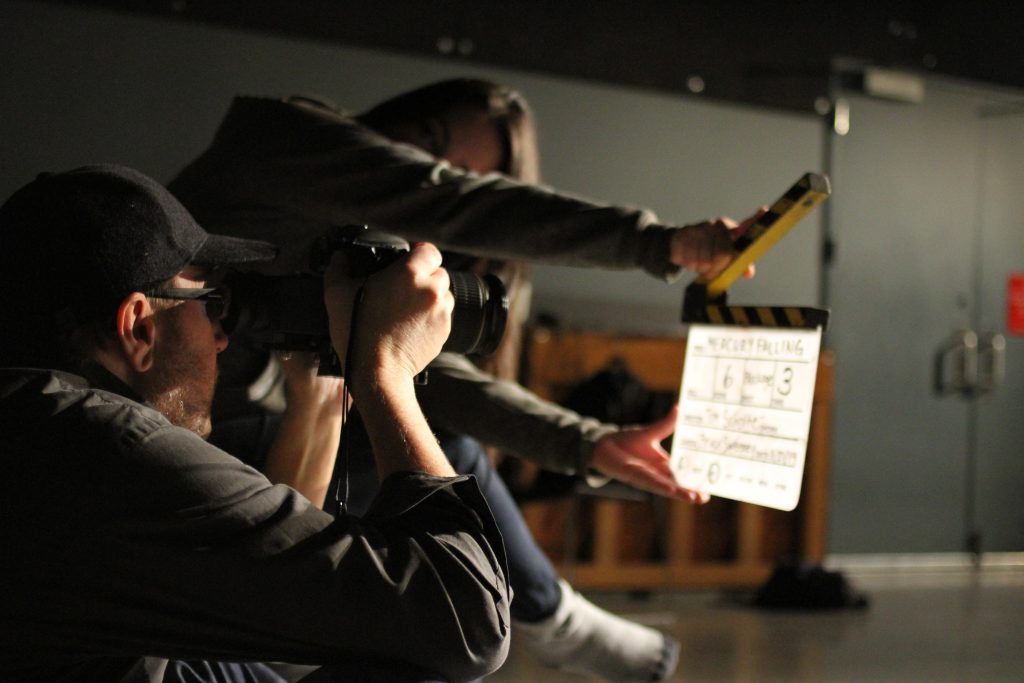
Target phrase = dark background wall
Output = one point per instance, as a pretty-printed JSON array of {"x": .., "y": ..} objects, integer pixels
[{"x": 762, "y": 53}]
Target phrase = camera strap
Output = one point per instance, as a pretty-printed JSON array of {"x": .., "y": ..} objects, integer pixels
[
  {"x": 342, "y": 490},
  {"x": 340, "y": 494}
]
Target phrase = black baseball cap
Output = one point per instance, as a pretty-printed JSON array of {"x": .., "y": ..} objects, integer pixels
[{"x": 76, "y": 243}]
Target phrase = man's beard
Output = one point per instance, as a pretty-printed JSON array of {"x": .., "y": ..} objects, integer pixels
[{"x": 179, "y": 384}]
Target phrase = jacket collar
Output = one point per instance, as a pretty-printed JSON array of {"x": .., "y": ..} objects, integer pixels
[{"x": 99, "y": 377}]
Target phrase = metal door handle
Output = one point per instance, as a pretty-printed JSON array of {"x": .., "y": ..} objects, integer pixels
[
  {"x": 956, "y": 364},
  {"x": 991, "y": 361}
]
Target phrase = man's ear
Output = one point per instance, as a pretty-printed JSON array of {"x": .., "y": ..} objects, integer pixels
[{"x": 136, "y": 332}]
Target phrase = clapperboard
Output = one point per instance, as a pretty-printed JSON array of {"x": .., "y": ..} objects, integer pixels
[{"x": 748, "y": 378}]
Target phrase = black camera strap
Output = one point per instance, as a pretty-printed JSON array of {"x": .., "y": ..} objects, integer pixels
[
  {"x": 340, "y": 495},
  {"x": 342, "y": 490}
]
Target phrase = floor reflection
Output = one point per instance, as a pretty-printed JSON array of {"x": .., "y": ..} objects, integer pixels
[{"x": 936, "y": 625}]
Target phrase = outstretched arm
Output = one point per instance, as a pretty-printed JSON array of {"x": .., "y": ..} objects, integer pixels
[
  {"x": 286, "y": 172},
  {"x": 462, "y": 398}
]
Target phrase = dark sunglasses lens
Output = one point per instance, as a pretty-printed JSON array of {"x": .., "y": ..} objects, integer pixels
[{"x": 216, "y": 309}]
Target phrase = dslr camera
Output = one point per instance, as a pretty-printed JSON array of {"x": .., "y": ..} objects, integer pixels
[{"x": 287, "y": 313}]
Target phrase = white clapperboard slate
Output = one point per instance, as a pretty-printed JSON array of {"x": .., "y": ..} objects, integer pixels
[{"x": 748, "y": 377}]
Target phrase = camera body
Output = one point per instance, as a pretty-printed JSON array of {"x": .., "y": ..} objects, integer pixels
[{"x": 287, "y": 312}]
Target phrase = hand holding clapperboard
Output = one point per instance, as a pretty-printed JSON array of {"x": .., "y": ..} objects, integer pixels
[{"x": 748, "y": 378}]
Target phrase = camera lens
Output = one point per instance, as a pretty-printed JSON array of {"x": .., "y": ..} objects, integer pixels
[
  {"x": 481, "y": 311},
  {"x": 288, "y": 313}
]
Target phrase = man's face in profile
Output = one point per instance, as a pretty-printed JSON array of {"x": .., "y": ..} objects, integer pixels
[{"x": 181, "y": 381}]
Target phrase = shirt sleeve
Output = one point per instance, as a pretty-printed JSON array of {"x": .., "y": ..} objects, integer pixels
[
  {"x": 199, "y": 556},
  {"x": 461, "y": 398},
  {"x": 285, "y": 172}
]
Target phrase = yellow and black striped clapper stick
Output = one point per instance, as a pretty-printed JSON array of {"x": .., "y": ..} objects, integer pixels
[{"x": 705, "y": 300}]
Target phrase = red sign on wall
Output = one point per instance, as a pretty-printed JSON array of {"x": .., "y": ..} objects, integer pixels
[{"x": 1015, "y": 304}]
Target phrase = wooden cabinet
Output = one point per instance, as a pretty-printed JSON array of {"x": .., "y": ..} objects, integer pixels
[{"x": 618, "y": 540}]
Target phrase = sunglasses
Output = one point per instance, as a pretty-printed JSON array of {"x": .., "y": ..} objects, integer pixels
[{"x": 215, "y": 301}]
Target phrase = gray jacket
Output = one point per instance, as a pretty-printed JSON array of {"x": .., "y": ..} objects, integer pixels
[
  {"x": 287, "y": 171},
  {"x": 125, "y": 536}
]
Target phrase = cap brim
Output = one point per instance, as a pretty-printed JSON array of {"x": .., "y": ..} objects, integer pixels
[{"x": 221, "y": 250}]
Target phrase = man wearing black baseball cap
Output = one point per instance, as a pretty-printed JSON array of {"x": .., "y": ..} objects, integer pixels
[{"x": 129, "y": 541}]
